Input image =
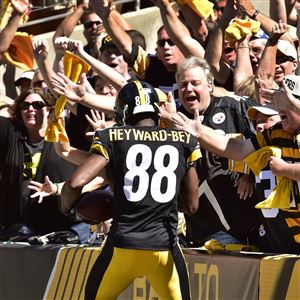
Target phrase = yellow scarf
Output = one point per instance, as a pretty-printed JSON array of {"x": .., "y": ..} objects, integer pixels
[
  {"x": 74, "y": 66},
  {"x": 239, "y": 28},
  {"x": 280, "y": 196},
  {"x": 203, "y": 8}
]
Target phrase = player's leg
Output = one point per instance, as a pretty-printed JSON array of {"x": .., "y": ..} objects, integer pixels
[
  {"x": 108, "y": 277},
  {"x": 171, "y": 280}
]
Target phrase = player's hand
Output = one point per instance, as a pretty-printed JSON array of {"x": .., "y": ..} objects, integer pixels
[
  {"x": 244, "y": 186},
  {"x": 42, "y": 189}
]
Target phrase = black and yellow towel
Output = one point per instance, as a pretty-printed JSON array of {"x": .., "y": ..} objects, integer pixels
[
  {"x": 74, "y": 66},
  {"x": 280, "y": 195},
  {"x": 70, "y": 273}
]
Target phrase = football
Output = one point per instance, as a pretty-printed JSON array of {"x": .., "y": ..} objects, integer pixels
[{"x": 95, "y": 207}]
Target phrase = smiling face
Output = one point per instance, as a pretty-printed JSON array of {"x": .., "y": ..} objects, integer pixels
[
  {"x": 194, "y": 89},
  {"x": 285, "y": 65},
  {"x": 290, "y": 120},
  {"x": 34, "y": 117},
  {"x": 170, "y": 55}
]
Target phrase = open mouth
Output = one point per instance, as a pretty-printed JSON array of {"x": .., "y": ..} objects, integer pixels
[
  {"x": 191, "y": 98},
  {"x": 112, "y": 65}
]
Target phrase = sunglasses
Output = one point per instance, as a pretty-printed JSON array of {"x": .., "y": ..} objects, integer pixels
[
  {"x": 228, "y": 50},
  {"x": 161, "y": 43},
  {"x": 35, "y": 105},
  {"x": 282, "y": 59},
  {"x": 89, "y": 25}
]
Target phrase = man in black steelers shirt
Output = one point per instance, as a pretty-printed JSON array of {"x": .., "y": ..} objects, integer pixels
[
  {"x": 222, "y": 214},
  {"x": 153, "y": 175}
]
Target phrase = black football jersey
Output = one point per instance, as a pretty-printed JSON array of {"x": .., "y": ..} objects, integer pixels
[
  {"x": 147, "y": 165},
  {"x": 282, "y": 226}
]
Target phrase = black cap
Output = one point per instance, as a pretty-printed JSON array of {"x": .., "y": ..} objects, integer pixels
[{"x": 106, "y": 43}]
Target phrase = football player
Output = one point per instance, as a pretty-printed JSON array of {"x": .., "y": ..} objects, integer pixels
[{"x": 153, "y": 176}]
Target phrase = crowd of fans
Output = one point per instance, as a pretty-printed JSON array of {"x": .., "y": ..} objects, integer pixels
[{"x": 227, "y": 64}]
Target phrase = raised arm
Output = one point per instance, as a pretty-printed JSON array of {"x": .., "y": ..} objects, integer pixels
[
  {"x": 220, "y": 69},
  {"x": 7, "y": 34},
  {"x": 177, "y": 31},
  {"x": 266, "y": 23},
  {"x": 113, "y": 26},
  {"x": 41, "y": 50},
  {"x": 243, "y": 67},
  {"x": 104, "y": 71},
  {"x": 66, "y": 27},
  {"x": 266, "y": 68},
  {"x": 197, "y": 24}
]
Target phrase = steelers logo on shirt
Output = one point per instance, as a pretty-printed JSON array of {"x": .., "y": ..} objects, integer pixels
[{"x": 219, "y": 118}]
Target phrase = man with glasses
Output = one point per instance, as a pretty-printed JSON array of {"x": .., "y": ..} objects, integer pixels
[
  {"x": 158, "y": 70},
  {"x": 92, "y": 27}
]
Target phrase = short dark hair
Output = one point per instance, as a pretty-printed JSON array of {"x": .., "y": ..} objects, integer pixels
[{"x": 137, "y": 37}]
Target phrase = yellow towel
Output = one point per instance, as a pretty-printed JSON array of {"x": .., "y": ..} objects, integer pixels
[
  {"x": 239, "y": 28},
  {"x": 74, "y": 66},
  {"x": 203, "y": 8},
  {"x": 280, "y": 195},
  {"x": 20, "y": 52}
]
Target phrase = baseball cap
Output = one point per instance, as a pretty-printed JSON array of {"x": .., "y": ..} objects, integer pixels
[
  {"x": 253, "y": 111},
  {"x": 293, "y": 83},
  {"x": 260, "y": 34},
  {"x": 25, "y": 75},
  {"x": 286, "y": 48},
  {"x": 106, "y": 43}
]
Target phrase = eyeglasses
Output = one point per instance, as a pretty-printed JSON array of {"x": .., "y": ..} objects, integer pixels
[
  {"x": 89, "y": 25},
  {"x": 282, "y": 59},
  {"x": 35, "y": 105},
  {"x": 161, "y": 43},
  {"x": 228, "y": 50}
]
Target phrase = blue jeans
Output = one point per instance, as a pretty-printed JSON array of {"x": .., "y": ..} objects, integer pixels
[{"x": 83, "y": 231}]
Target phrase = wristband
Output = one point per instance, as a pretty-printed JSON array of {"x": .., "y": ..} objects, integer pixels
[{"x": 253, "y": 17}]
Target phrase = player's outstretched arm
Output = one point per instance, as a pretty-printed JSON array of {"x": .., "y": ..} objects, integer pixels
[{"x": 83, "y": 175}]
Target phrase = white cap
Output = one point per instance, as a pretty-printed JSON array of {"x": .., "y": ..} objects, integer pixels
[
  {"x": 288, "y": 49},
  {"x": 254, "y": 110},
  {"x": 25, "y": 75},
  {"x": 293, "y": 83}
]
